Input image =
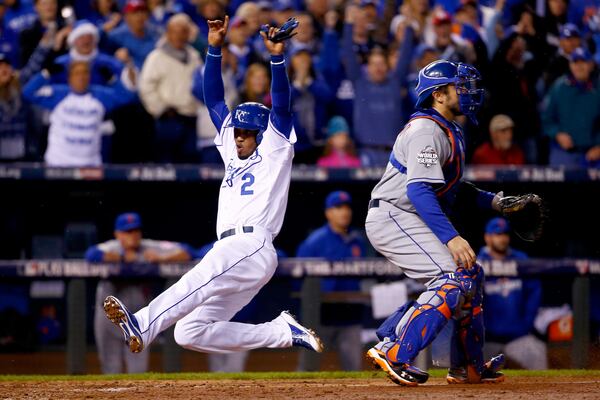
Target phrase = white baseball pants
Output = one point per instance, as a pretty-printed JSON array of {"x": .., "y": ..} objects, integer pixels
[{"x": 208, "y": 296}]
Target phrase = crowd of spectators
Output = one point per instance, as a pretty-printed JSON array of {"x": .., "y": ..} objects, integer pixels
[{"x": 91, "y": 81}]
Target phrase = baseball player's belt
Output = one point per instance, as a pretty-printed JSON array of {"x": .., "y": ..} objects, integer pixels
[
  {"x": 230, "y": 232},
  {"x": 373, "y": 203}
]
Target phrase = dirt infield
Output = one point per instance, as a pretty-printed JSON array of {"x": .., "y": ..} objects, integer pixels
[{"x": 580, "y": 387}]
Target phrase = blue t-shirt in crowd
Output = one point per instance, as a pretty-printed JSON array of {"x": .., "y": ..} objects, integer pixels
[
  {"x": 510, "y": 304},
  {"x": 138, "y": 48}
]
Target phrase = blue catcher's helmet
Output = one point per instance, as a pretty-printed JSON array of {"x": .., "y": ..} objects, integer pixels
[
  {"x": 463, "y": 76},
  {"x": 250, "y": 115}
]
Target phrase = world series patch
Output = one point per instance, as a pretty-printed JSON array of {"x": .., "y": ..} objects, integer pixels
[{"x": 427, "y": 157}]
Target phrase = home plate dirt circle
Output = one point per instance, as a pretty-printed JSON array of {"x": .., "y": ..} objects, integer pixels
[{"x": 522, "y": 387}]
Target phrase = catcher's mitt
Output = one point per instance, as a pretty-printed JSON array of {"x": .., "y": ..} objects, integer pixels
[
  {"x": 284, "y": 32},
  {"x": 526, "y": 214}
]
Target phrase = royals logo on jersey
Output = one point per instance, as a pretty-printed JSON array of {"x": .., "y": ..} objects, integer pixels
[{"x": 234, "y": 170}]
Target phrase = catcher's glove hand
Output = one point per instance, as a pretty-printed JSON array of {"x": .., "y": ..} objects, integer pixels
[
  {"x": 284, "y": 32},
  {"x": 526, "y": 214}
]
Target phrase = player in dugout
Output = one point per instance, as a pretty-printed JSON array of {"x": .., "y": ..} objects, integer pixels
[{"x": 127, "y": 246}]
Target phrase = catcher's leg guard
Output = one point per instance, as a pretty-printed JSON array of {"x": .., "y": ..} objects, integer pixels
[
  {"x": 423, "y": 321},
  {"x": 467, "y": 363}
]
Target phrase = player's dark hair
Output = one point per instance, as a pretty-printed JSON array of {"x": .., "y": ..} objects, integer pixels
[{"x": 428, "y": 103}]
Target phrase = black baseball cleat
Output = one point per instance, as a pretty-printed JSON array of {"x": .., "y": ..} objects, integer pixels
[
  {"x": 490, "y": 373},
  {"x": 404, "y": 375}
]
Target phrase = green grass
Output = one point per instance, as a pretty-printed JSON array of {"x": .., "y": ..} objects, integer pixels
[{"x": 438, "y": 373}]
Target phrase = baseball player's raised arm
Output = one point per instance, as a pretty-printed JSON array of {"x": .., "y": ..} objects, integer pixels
[
  {"x": 281, "y": 96},
  {"x": 214, "y": 92}
]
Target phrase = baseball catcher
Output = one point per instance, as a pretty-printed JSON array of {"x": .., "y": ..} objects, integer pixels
[{"x": 408, "y": 223}]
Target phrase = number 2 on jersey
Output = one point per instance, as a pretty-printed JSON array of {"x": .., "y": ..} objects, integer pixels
[{"x": 248, "y": 179}]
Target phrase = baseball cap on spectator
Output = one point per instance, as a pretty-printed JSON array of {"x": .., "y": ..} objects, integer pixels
[
  {"x": 497, "y": 226},
  {"x": 441, "y": 17},
  {"x": 337, "y": 198},
  {"x": 282, "y": 5},
  {"x": 580, "y": 54},
  {"x": 81, "y": 28},
  {"x": 500, "y": 122},
  {"x": 128, "y": 222},
  {"x": 569, "y": 31},
  {"x": 4, "y": 57},
  {"x": 135, "y": 5},
  {"x": 337, "y": 125}
]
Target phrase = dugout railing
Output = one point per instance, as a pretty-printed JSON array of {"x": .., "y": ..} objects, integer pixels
[{"x": 310, "y": 270}]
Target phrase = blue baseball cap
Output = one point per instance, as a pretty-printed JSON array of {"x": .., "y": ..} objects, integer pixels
[
  {"x": 337, "y": 124},
  {"x": 498, "y": 226},
  {"x": 128, "y": 222},
  {"x": 569, "y": 31},
  {"x": 580, "y": 54},
  {"x": 337, "y": 198}
]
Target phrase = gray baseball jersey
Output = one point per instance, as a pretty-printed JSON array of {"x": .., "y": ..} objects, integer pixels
[
  {"x": 421, "y": 148},
  {"x": 393, "y": 226}
]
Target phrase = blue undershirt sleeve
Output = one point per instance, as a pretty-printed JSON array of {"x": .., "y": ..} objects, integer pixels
[
  {"x": 214, "y": 92},
  {"x": 484, "y": 199},
  {"x": 281, "y": 115},
  {"x": 423, "y": 198},
  {"x": 94, "y": 254}
]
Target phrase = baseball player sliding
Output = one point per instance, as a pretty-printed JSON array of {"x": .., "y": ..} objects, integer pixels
[
  {"x": 256, "y": 145},
  {"x": 407, "y": 222}
]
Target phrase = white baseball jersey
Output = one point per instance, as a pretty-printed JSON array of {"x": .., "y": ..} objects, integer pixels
[
  {"x": 254, "y": 191},
  {"x": 74, "y": 137}
]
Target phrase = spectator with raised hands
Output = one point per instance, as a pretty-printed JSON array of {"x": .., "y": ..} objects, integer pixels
[
  {"x": 77, "y": 111},
  {"x": 378, "y": 113}
]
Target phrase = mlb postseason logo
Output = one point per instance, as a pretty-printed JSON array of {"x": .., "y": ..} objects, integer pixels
[{"x": 427, "y": 157}]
